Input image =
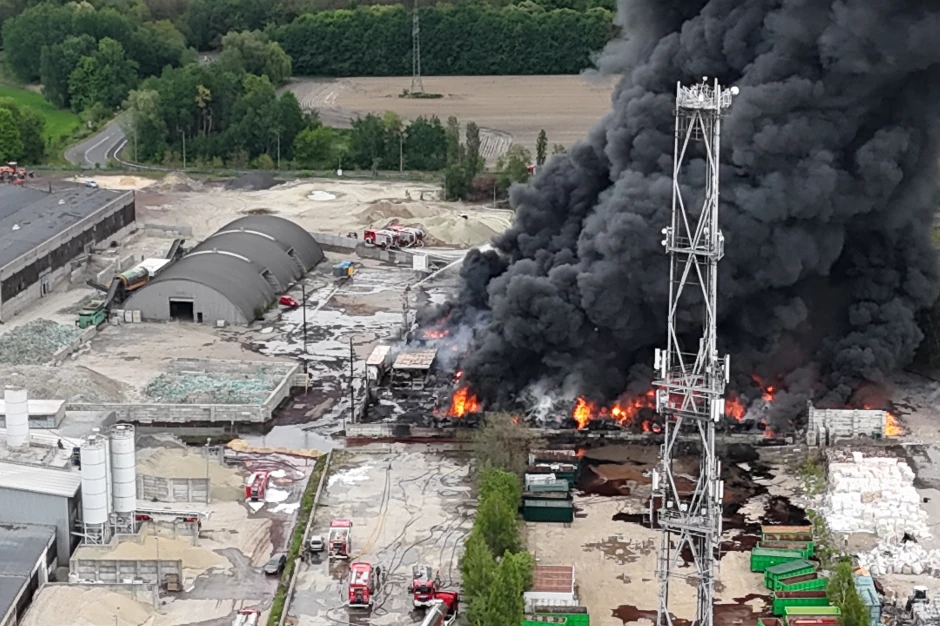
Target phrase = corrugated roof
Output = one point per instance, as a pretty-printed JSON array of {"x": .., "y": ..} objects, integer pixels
[
  {"x": 378, "y": 356},
  {"x": 258, "y": 247},
  {"x": 553, "y": 579},
  {"x": 39, "y": 479},
  {"x": 238, "y": 279},
  {"x": 415, "y": 360},
  {"x": 21, "y": 545},
  {"x": 40, "y": 216},
  {"x": 288, "y": 233}
]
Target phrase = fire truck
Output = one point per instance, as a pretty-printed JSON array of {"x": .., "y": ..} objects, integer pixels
[
  {"x": 443, "y": 609},
  {"x": 381, "y": 237},
  {"x": 257, "y": 485},
  {"x": 340, "y": 538},
  {"x": 424, "y": 584},
  {"x": 409, "y": 237},
  {"x": 361, "y": 585}
]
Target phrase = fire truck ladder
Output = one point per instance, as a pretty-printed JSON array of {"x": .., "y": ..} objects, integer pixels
[{"x": 691, "y": 384}]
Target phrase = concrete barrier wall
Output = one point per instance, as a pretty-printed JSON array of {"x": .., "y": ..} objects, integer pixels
[
  {"x": 63, "y": 353},
  {"x": 117, "y": 571},
  {"x": 168, "y": 230},
  {"x": 398, "y": 257},
  {"x": 179, "y": 413},
  {"x": 157, "y": 488},
  {"x": 337, "y": 243}
]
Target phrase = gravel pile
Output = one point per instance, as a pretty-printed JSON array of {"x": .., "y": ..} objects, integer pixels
[
  {"x": 35, "y": 342},
  {"x": 172, "y": 388},
  {"x": 70, "y": 382},
  {"x": 252, "y": 181}
]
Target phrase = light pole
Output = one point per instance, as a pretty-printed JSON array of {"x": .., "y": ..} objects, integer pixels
[
  {"x": 183, "y": 133},
  {"x": 303, "y": 303},
  {"x": 401, "y": 152},
  {"x": 278, "y": 149},
  {"x": 208, "y": 490}
]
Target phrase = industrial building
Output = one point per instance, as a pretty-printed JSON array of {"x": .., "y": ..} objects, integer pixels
[
  {"x": 42, "y": 232},
  {"x": 233, "y": 276},
  {"x": 27, "y": 556},
  {"x": 35, "y": 494}
]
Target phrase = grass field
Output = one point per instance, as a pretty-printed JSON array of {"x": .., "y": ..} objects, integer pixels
[
  {"x": 509, "y": 109},
  {"x": 58, "y": 121}
]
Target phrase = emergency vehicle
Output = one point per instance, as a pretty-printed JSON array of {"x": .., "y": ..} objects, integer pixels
[
  {"x": 381, "y": 237},
  {"x": 443, "y": 609},
  {"x": 257, "y": 485},
  {"x": 424, "y": 584},
  {"x": 409, "y": 237},
  {"x": 340, "y": 541},
  {"x": 361, "y": 585}
]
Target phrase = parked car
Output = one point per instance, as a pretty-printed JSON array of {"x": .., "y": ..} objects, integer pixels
[
  {"x": 316, "y": 543},
  {"x": 275, "y": 565},
  {"x": 91, "y": 183}
]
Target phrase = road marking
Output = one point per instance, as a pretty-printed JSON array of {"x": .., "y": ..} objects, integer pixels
[{"x": 95, "y": 146}]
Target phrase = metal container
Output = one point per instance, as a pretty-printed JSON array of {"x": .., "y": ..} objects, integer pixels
[
  {"x": 803, "y": 582},
  {"x": 134, "y": 275},
  {"x": 94, "y": 480},
  {"x": 17, "y": 417},
  {"x": 124, "y": 469},
  {"x": 784, "y": 599}
]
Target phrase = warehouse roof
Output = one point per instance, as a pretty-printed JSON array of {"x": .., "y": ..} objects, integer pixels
[
  {"x": 415, "y": 360},
  {"x": 236, "y": 277},
  {"x": 294, "y": 238},
  {"x": 21, "y": 547},
  {"x": 30, "y": 217},
  {"x": 260, "y": 248},
  {"x": 39, "y": 479}
]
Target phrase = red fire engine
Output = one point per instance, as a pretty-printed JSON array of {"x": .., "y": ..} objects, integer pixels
[
  {"x": 381, "y": 238},
  {"x": 340, "y": 538},
  {"x": 424, "y": 584},
  {"x": 257, "y": 484},
  {"x": 409, "y": 237},
  {"x": 361, "y": 585},
  {"x": 443, "y": 609}
]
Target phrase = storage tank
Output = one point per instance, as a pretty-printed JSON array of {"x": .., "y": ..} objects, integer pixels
[
  {"x": 134, "y": 275},
  {"x": 94, "y": 480},
  {"x": 124, "y": 469},
  {"x": 17, "y": 417}
]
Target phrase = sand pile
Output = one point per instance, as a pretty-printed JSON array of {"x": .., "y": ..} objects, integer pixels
[
  {"x": 225, "y": 483},
  {"x": 176, "y": 182},
  {"x": 84, "y": 605},
  {"x": 252, "y": 181},
  {"x": 196, "y": 559},
  {"x": 71, "y": 383},
  {"x": 457, "y": 231}
]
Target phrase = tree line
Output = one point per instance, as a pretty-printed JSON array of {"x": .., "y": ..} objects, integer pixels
[
  {"x": 21, "y": 133},
  {"x": 464, "y": 39}
]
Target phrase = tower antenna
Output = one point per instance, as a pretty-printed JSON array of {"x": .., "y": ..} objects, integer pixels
[
  {"x": 417, "y": 85},
  {"x": 691, "y": 384}
]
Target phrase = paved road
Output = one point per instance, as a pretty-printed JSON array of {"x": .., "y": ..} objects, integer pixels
[{"x": 98, "y": 148}]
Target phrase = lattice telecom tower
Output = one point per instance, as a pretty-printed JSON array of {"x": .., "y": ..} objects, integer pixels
[
  {"x": 691, "y": 384},
  {"x": 417, "y": 85}
]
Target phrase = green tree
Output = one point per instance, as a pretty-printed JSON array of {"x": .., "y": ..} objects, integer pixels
[
  {"x": 146, "y": 130},
  {"x": 156, "y": 45},
  {"x": 45, "y": 24},
  {"x": 496, "y": 521},
  {"x": 503, "y": 442},
  {"x": 505, "y": 605},
  {"x": 254, "y": 54},
  {"x": 57, "y": 62},
  {"x": 843, "y": 594},
  {"x": 291, "y": 122},
  {"x": 541, "y": 148},
  {"x": 367, "y": 142},
  {"x": 559, "y": 149},
  {"x": 454, "y": 149},
  {"x": 425, "y": 145},
  {"x": 313, "y": 147},
  {"x": 11, "y": 144},
  {"x": 32, "y": 129},
  {"x": 477, "y": 568},
  {"x": 513, "y": 167},
  {"x": 256, "y": 117},
  {"x": 472, "y": 141},
  {"x": 104, "y": 77}
]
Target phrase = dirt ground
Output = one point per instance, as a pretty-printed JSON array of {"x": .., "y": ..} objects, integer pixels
[
  {"x": 408, "y": 506},
  {"x": 509, "y": 109}
]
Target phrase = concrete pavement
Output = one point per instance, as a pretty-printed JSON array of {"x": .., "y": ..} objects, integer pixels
[{"x": 98, "y": 148}]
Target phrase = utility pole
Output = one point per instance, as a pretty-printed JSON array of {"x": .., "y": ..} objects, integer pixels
[
  {"x": 401, "y": 152},
  {"x": 183, "y": 133},
  {"x": 278, "y": 149},
  {"x": 417, "y": 85},
  {"x": 303, "y": 305},
  {"x": 691, "y": 385},
  {"x": 208, "y": 483},
  {"x": 352, "y": 393}
]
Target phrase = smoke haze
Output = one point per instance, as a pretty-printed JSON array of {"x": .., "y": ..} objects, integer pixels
[{"x": 828, "y": 183}]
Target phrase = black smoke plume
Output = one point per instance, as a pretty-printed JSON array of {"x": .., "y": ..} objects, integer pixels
[{"x": 829, "y": 182}]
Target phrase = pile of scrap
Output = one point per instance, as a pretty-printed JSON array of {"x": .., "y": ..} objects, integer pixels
[
  {"x": 412, "y": 369},
  {"x": 548, "y": 481},
  {"x": 35, "y": 343}
]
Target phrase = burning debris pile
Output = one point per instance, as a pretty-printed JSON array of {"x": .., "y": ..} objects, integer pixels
[{"x": 828, "y": 187}]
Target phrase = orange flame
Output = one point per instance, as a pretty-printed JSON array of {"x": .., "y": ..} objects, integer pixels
[
  {"x": 769, "y": 393},
  {"x": 582, "y": 412},
  {"x": 646, "y": 426},
  {"x": 430, "y": 333},
  {"x": 735, "y": 408},
  {"x": 624, "y": 412},
  {"x": 892, "y": 426},
  {"x": 463, "y": 402}
]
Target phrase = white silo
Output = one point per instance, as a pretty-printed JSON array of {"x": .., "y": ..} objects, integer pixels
[
  {"x": 95, "y": 489},
  {"x": 124, "y": 469},
  {"x": 107, "y": 455},
  {"x": 17, "y": 417}
]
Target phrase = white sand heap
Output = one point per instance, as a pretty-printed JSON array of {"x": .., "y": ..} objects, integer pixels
[
  {"x": 875, "y": 495},
  {"x": 226, "y": 483}
]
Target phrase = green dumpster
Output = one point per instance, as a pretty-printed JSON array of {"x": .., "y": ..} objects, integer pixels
[
  {"x": 783, "y": 569},
  {"x": 784, "y": 599},
  {"x": 806, "y": 547},
  {"x": 803, "y": 582},
  {"x": 811, "y": 611},
  {"x": 762, "y": 558}
]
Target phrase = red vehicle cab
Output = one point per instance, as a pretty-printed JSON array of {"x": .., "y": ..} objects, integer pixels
[
  {"x": 257, "y": 485},
  {"x": 443, "y": 609},
  {"x": 361, "y": 585},
  {"x": 424, "y": 583},
  {"x": 340, "y": 540}
]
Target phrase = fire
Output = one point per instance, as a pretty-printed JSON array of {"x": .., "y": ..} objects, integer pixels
[
  {"x": 768, "y": 393},
  {"x": 582, "y": 412},
  {"x": 892, "y": 426},
  {"x": 646, "y": 426},
  {"x": 735, "y": 408},
  {"x": 624, "y": 412},
  {"x": 430, "y": 333},
  {"x": 463, "y": 402}
]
